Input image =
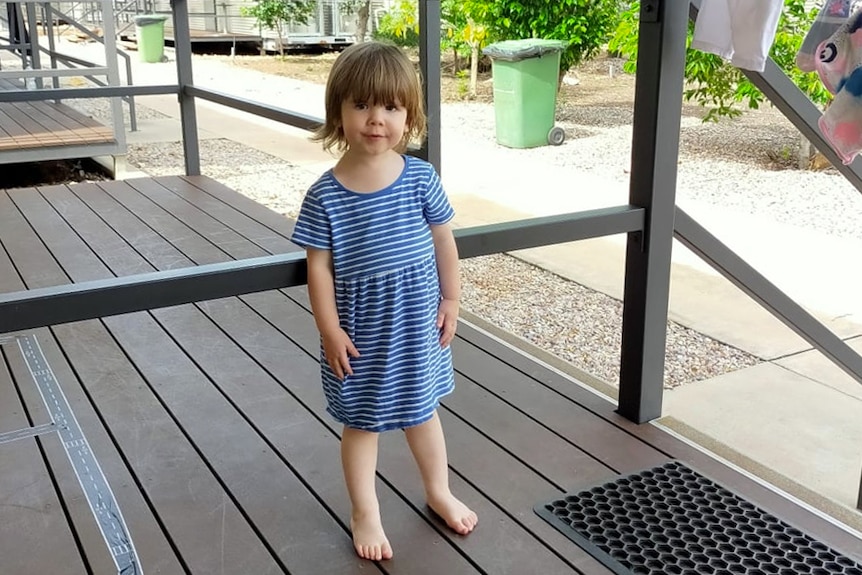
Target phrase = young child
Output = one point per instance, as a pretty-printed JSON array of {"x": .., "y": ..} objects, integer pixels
[{"x": 383, "y": 282}]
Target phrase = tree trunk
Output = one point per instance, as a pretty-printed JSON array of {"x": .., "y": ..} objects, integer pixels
[
  {"x": 803, "y": 160},
  {"x": 474, "y": 68},
  {"x": 362, "y": 21},
  {"x": 279, "y": 30}
]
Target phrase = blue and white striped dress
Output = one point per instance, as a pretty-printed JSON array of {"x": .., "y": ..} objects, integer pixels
[{"x": 387, "y": 292}]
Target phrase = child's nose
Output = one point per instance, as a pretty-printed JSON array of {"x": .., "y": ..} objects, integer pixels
[{"x": 376, "y": 114}]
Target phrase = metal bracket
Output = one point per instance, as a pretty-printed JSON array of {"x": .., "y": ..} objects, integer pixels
[{"x": 649, "y": 10}]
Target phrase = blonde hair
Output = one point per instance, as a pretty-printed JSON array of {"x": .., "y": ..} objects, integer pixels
[{"x": 372, "y": 72}]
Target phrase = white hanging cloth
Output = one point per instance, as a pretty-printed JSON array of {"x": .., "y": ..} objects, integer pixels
[{"x": 741, "y": 31}]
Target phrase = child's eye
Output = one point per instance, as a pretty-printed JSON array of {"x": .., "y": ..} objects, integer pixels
[
  {"x": 391, "y": 107},
  {"x": 360, "y": 105}
]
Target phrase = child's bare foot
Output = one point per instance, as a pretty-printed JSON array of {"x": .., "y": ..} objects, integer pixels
[
  {"x": 460, "y": 518},
  {"x": 369, "y": 539}
]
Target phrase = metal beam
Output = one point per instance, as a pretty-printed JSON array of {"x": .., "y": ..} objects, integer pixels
[
  {"x": 97, "y": 92},
  {"x": 545, "y": 231},
  {"x": 655, "y": 150},
  {"x": 102, "y": 298},
  {"x": 76, "y": 302},
  {"x": 288, "y": 117},
  {"x": 188, "y": 114},
  {"x": 761, "y": 290},
  {"x": 429, "y": 70}
]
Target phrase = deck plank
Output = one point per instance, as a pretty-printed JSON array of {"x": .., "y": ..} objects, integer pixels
[
  {"x": 210, "y": 421},
  {"x": 34, "y": 263},
  {"x": 196, "y": 334},
  {"x": 142, "y": 238},
  {"x": 257, "y": 233},
  {"x": 514, "y": 523},
  {"x": 228, "y": 240},
  {"x": 752, "y": 489},
  {"x": 551, "y": 564},
  {"x": 231, "y": 443},
  {"x": 189, "y": 395},
  {"x": 273, "y": 220},
  {"x": 22, "y": 238},
  {"x": 76, "y": 122},
  {"x": 43, "y": 124},
  {"x": 206, "y": 527},
  {"x": 262, "y": 401},
  {"x": 31, "y": 515},
  {"x": 179, "y": 234},
  {"x": 48, "y": 127}
]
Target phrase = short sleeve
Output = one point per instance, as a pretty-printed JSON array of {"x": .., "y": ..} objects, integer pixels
[
  {"x": 312, "y": 228},
  {"x": 435, "y": 205}
]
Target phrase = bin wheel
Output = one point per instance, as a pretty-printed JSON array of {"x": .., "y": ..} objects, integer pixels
[{"x": 556, "y": 136}]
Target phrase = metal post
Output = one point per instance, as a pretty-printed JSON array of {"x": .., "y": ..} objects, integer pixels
[
  {"x": 859, "y": 500},
  {"x": 429, "y": 69},
  {"x": 655, "y": 150},
  {"x": 48, "y": 19},
  {"x": 188, "y": 115},
  {"x": 109, "y": 40},
  {"x": 35, "y": 54}
]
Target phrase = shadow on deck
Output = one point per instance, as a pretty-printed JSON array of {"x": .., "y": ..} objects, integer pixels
[{"x": 208, "y": 420}]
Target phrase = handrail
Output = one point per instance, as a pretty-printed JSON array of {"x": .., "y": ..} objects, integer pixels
[
  {"x": 722, "y": 259},
  {"x": 102, "y": 298},
  {"x": 75, "y": 24}
]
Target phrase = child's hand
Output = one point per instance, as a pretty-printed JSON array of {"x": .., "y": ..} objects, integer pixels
[
  {"x": 447, "y": 320},
  {"x": 338, "y": 349}
]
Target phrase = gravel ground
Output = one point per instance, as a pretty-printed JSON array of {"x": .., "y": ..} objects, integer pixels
[{"x": 730, "y": 164}]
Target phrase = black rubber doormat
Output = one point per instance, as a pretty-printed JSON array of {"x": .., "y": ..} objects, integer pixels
[{"x": 672, "y": 520}]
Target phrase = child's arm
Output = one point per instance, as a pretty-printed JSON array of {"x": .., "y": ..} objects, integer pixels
[
  {"x": 446, "y": 252},
  {"x": 337, "y": 347}
]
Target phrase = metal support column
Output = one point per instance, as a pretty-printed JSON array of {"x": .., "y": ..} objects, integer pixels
[
  {"x": 429, "y": 69},
  {"x": 655, "y": 150},
  {"x": 859, "y": 500},
  {"x": 109, "y": 39},
  {"x": 35, "y": 53},
  {"x": 188, "y": 115}
]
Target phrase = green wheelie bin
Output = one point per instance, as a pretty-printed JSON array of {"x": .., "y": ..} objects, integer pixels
[
  {"x": 150, "y": 34},
  {"x": 526, "y": 74}
]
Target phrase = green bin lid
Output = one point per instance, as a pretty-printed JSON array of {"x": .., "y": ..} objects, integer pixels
[
  {"x": 147, "y": 19},
  {"x": 515, "y": 50}
]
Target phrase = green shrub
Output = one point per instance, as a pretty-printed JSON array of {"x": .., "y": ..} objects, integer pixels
[
  {"x": 717, "y": 85},
  {"x": 584, "y": 25},
  {"x": 400, "y": 24}
]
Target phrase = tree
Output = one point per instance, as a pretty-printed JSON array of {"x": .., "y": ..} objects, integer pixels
[
  {"x": 362, "y": 9},
  {"x": 279, "y": 15},
  {"x": 400, "y": 23},
  {"x": 461, "y": 29},
  {"x": 584, "y": 25},
  {"x": 718, "y": 86}
]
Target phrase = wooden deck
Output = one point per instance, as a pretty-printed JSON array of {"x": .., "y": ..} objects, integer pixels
[
  {"x": 44, "y": 124},
  {"x": 209, "y": 425}
]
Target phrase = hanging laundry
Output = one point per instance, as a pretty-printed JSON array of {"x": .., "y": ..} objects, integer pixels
[
  {"x": 831, "y": 17},
  {"x": 839, "y": 65},
  {"x": 741, "y": 31}
]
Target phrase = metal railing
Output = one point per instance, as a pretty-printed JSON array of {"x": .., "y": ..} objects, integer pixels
[{"x": 650, "y": 220}]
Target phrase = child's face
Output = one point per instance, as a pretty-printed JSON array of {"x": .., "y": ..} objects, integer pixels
[{"x": 373, "y": 128}]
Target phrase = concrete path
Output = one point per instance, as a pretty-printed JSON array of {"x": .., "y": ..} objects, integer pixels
[{"x": 795, "y": 418}]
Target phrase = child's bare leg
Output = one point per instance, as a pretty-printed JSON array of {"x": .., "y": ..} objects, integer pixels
[
  {"x": 428, "y": 445},
  {"x": 359, "y": 460}
]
